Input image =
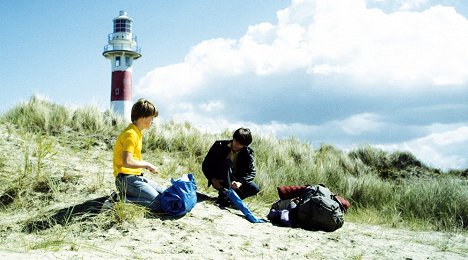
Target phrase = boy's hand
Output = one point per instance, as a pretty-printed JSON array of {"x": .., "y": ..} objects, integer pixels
[
  {"x": 152, "y": 168},
  {"x": 236, "y": 184}
]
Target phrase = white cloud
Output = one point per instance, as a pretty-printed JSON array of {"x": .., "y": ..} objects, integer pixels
[
  {"x": 332, "y": 37},
  {"x": 319, "y": 49},
  {"x": 212, "y": 106},
  {"x": 408, "y": 49},
  {"x": 170, "y": 81},
  {"x": 400, "y": 5},
  {"x": 446, "y": 150},
  {"x": 359, "y": 124},
  {"x": 412, "y": 4},
  {"x": 453, "y": 137}
]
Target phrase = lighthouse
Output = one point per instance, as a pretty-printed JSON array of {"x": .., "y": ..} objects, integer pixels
[{"x": 122, "y": 49}]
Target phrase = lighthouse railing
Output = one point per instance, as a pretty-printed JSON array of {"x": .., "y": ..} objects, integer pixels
[
  {"x": 121, "y": 36},
  {"x": 122, "y": 47}
]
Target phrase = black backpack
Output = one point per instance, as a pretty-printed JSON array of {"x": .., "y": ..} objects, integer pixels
[{"x": 319, "y": 209}]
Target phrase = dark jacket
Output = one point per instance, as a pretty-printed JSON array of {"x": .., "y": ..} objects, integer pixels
[{"x": 216, "y": 157}]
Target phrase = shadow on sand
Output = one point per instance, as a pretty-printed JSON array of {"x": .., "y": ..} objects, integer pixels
[
  {"x": 84, "y": 210},
  {"x": 87, "y": 210}
]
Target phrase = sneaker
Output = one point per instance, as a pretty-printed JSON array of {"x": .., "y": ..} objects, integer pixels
[
  {"x": 114, "y": 197},
  {"x": 107, "y": 205},
  {"x": 223, "y": 202},
  {"x": 109, "y": 202}
]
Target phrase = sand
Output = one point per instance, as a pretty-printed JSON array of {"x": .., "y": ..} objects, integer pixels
[
  {"x": 210, "y": 232},
  {"x": 207, "y": 232}
]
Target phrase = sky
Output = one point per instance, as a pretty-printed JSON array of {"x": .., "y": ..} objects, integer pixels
[{"x": 388, "y": 73}]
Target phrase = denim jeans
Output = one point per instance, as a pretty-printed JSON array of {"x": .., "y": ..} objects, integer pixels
[{"x": 138, "y": 190}]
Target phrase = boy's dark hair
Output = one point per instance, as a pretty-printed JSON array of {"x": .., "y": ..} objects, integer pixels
[
  {"x": 243, "y": 136},
  {"x": 143, "y": 108}
]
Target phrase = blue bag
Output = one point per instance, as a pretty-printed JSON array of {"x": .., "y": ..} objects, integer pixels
[
  {"x": 240, "y": 205},
  {"x": 180, "y": 197}
]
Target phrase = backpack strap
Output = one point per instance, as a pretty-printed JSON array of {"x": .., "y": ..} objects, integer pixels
[{"x": 344, "y": 204}]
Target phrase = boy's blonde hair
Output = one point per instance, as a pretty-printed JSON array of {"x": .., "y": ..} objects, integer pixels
[{"x": 143, "y": 108}]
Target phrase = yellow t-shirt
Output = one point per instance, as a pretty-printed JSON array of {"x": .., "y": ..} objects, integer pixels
[{"x": 130, "y": 140}]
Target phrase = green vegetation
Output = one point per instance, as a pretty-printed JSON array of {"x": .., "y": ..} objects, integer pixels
[{"x": 45, "y": 146}]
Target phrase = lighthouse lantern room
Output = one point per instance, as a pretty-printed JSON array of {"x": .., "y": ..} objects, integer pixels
[{"x": 122, "y": 49}]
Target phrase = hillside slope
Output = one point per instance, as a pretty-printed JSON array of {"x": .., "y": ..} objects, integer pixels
[
  {"x": 207, "y": 232},
  {"x": 56, "y": 171}
]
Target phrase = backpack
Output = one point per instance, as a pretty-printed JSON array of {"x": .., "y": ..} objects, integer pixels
[
  {"x": 318, "y": 209},
  {"x": 180, "y": 197}
]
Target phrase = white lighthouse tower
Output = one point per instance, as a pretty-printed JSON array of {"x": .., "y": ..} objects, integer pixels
[{"x": 122, "y": 49}]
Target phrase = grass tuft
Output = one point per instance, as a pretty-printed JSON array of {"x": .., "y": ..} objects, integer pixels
[{"x": 387, "y": 188}]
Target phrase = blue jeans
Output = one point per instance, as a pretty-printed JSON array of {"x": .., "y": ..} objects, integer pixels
[{"x": 141, "y": 191}]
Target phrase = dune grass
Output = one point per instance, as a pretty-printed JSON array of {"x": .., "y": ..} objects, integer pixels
[{"x": 387, "y": 188}]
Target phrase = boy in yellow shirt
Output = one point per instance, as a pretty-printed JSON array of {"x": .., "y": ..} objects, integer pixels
[{"x": 128, "y": 163}]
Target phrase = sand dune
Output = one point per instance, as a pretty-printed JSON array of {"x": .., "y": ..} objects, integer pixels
[{"x": 210, "y": 232}]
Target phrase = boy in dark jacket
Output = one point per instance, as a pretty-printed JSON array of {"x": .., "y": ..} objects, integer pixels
[{"x": 230, "y": 163}]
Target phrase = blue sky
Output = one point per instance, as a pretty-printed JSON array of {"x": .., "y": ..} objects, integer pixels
[{"x": 390, "y": 73}]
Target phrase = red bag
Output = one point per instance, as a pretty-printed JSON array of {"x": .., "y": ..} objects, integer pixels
[
  {"x": 343, "y": 202},
  {"x": 291, "y": 191}
]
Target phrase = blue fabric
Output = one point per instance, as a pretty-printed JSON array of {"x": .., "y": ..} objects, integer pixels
[
  {"x": 282, "y": 216},
  {"x": 234, "y": 198},
  {"x": 180, "y": 197}
]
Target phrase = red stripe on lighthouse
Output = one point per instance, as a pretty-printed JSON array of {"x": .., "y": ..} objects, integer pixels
[{"x": 121, "y": 89}]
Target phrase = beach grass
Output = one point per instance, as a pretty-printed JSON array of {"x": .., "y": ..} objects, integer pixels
[{"x": 41, "y": 169}]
